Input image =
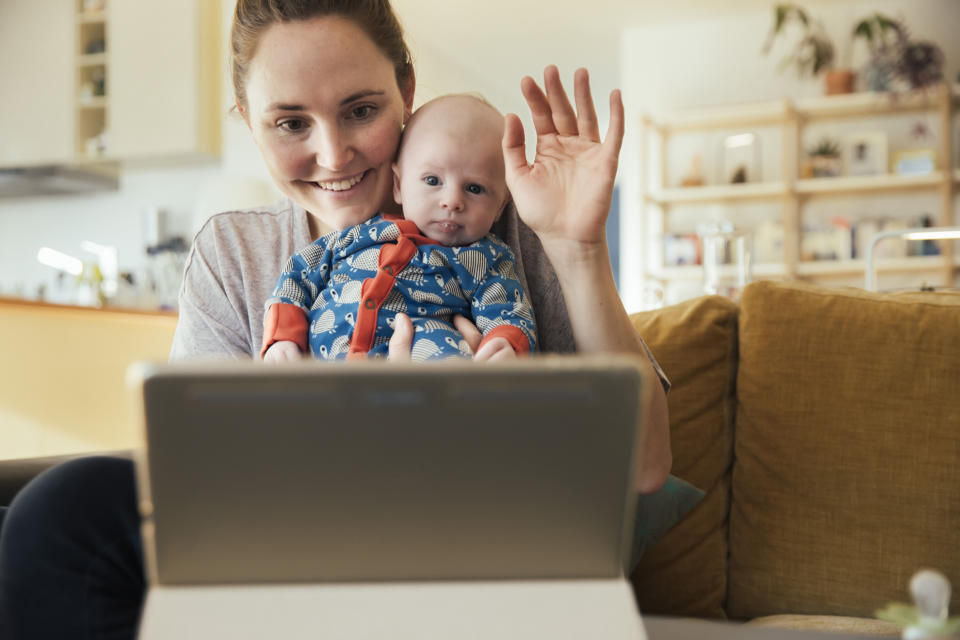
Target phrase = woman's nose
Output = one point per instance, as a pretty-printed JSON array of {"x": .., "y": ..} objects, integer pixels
[{"x": 333, "y": 149}]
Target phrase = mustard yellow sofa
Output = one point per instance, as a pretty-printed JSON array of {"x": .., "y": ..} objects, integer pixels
[{"x": 824, "y": 425}]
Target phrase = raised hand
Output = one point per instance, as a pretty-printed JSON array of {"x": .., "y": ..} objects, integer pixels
[{"x": 565, "y": 195}]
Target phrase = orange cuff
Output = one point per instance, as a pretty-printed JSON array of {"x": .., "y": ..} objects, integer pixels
[
  {"x": 284, "y": 322},
  {"x": 514, "y": 336}
]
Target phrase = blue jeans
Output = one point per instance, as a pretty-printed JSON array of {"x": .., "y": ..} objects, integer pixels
[{"x": 71, "y": 561}]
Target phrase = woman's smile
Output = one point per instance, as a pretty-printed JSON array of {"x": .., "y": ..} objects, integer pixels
[{"x": 342, "y": 184}]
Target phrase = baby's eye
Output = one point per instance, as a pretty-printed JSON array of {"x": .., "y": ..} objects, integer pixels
[
  {"x": 475, "y": 189},
  {"x": 432, "y": 180}
]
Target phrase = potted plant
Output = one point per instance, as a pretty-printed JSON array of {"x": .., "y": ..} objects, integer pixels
[
  {"x": 823, "y": 159},
  {"x": 894, "y": 56},
  {"x": 885, "y": 38},
  {"x": 920, "y": 64},
  {"x": 814, "y": 53}
]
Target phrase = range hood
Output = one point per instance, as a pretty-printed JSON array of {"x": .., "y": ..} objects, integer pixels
[{"x": 58, "y": 180}]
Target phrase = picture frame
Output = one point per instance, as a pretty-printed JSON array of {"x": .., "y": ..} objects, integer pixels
[
  {"x": 914, "y": 162},
  {"x": 681, "y": 249},
  {"x": 865, "y": 153},
  {"x": 740, "y": 160}
]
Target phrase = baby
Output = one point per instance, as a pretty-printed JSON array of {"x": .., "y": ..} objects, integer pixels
[{"x": 339, "y": 296}]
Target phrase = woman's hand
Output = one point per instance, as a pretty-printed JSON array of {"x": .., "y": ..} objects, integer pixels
[
  {"x": 495, "y": 349},
  {"x": 402, "y": 340},
  {"x": 565, "y": 195}
]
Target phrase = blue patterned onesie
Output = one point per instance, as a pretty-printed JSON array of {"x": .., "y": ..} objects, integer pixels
[{"x": 343, "y": 291}]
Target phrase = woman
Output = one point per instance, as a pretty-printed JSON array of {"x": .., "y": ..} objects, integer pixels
[{"x": 324, "y": 88}]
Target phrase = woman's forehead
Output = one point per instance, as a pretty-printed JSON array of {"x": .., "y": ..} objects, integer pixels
[{"x": 324, "y": 59}]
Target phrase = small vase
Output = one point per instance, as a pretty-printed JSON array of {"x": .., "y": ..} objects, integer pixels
[
  {"x": 825, "y": 166},
  {"x": 839, "y": 81}
]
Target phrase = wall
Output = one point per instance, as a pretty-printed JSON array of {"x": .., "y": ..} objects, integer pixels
[
  {"x": 701, "y": 55},
  {"x": 693, "y": 63}
]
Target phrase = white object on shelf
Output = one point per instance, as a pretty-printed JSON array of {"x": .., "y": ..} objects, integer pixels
[{"x": 917, "y": 233}]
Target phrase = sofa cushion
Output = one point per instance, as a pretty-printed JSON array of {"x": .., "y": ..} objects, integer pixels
[
  {"x": 695, "y": 342},
  {"x": 829, "y": 624},
  {"x": 847, "y": 448}
]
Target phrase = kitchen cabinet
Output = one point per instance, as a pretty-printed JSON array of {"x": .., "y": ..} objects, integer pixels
[
  {"x": 122, "y": 80},
  {"x": 68, "y": 395},
  {"x": 164, "y": 79},
  {"x": 36, "y": 82}
]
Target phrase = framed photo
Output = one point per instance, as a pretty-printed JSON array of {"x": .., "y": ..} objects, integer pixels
[
  {"x": 681, "y": 249},
  {"x": 741, "y": 158},
  {"x": 865, "y": 153},
  {"x": 915, "y": 161}
]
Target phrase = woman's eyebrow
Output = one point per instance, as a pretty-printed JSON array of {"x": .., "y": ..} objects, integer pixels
[
  {"x": 359, "y": 95},
  {"x": 279, "y": 106}
]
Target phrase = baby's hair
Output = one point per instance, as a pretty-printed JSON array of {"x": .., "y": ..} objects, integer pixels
[{"x": 472, "y": 95}]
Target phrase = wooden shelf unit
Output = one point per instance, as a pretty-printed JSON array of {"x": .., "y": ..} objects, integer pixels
[
  {"x": 792, "y": 192},
  {"x": 91, "y": 102}
]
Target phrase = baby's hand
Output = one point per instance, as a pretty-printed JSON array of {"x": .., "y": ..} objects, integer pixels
[
  {"x": 495, "y": 349},
  {"x": 282, "y": 351}
]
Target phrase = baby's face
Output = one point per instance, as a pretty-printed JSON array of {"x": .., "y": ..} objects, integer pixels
[{"x": 450, "y": 175}]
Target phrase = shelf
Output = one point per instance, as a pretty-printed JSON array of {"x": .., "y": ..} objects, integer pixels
[
  {"x": 722, "y": 192},
  {"x": 860, "y": 184},
  {"x": 92, "y": 60},
  {"x": 727, "y": 117},
  {"x": 858, "y": 267},
  {"x": 98, "y": 102},
  {"x": 92, "y": 17},
  {"x": 695, "y": 271},
  {"x": 858, "y": 104},
  {"x": 796, "y": 198}
]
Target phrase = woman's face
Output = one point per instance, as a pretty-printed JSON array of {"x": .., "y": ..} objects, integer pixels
[{"x": 325, "y": 110}]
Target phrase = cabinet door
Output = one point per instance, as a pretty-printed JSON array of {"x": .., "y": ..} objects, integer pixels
[
  {"x": 159, "y": 83},
  {"x": 36, "y": 82}
]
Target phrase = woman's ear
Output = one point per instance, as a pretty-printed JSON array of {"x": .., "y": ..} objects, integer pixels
[
  {"x": 407, "y": 93},
  {"x": 396, "y": 184},
  {"x": 243, "y": 114}
]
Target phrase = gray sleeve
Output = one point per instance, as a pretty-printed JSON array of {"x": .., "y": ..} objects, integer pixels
[{"x": 209, "y": 324}]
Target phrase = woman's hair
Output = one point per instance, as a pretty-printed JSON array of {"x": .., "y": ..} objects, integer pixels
[{"x": 375, "y": 17}]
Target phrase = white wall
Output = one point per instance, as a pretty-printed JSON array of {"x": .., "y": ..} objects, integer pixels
[{"x": 699, "y": 62}]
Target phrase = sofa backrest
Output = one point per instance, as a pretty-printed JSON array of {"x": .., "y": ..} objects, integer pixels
[
  {"x": 696, "y": 344},
  {"x": 825, "y": 426},
  {"x": 847, "y": 449}
]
